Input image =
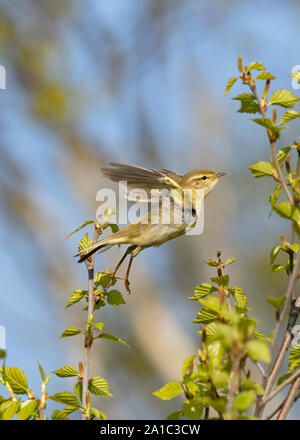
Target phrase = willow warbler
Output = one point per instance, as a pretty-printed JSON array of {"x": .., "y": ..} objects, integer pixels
[{"x": 149, "y": 230}]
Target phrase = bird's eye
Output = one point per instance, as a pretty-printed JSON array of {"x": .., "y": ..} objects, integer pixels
[{"x": 204, "y": 178}]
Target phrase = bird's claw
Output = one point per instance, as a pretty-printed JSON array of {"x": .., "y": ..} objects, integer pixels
[{"x": 127, "y": 283}]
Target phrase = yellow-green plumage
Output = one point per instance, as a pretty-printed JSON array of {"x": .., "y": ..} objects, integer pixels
[{"x": 144, "y": 233}]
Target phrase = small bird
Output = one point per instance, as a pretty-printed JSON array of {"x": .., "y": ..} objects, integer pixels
[{"x": 149, "y": 230}]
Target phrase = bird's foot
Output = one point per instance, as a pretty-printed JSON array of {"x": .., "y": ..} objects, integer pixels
[{"x": 127, "y": 284}]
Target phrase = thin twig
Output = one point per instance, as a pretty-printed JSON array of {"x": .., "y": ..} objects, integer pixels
[
  {"x": 273, "y": 146},
  {"x": 274, "y": 412},
  {"x": 90, "y": 264},
  {"x": 294, "y": 312},
  {"x": 260, "y": 368},
  {"x": 270, "y": 376},
  {"x": 290, "y": 399},
  {"x": 291, "y": 379}
]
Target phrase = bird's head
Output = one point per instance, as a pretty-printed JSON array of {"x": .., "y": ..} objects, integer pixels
[{"x": 201, "y": 179}]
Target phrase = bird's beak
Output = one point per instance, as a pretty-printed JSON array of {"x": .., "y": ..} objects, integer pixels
[{"x": 220, "y": 174}]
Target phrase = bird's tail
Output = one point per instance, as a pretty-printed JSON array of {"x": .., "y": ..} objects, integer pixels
[{"x": 101, "y": 246}]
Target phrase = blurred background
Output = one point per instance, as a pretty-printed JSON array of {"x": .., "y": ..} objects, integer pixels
[{"x": 139, "y": 82}]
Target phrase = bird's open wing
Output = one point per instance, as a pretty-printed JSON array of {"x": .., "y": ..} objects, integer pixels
[
  {"x": 140, "y": 177},
  {"x": 141, "y": 181}
]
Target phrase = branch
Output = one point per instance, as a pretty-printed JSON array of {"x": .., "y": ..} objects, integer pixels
[
  {"x": 290, "y": 399},
  {"x": 275, "y": 411},
  {"x": 90, "y": 265},
  {"x": 294, "y": 313},
  {"x": 272, "y": 144},
  {"x": 291, "y": 379}
]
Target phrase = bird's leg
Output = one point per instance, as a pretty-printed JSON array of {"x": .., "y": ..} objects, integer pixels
[
  {"x": 134, "y": 253},
  {"x": 113, "y": 273},
  {"x": 126, "y": 280}
]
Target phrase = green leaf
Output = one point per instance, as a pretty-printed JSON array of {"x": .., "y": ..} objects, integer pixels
[
  {"x": 98, "y": 325},
  {"x": 289, "y": 116},
  {"x": 78, "y": 389},
  {"x": 221, "y": 281},
  {"x": 177, "y": 415},
  {"x": 108, "y": 213},
  {"x": 99, "y": 414},
  {"x": 248, "y": 384},
  {"x": 17, "y": 380},
  {"x": 76, "y": 296},
  {"x": 230, "y": 83},
  {"x": 284, "y": 98},
  {"x": 261, "y": 169},
  {"x": 226, "y": 333},
  {"x": 188, "y": 364},
  {"x": 259, "y": 336},
  {"x": 66, "y": 371},
  {"x": 276, "y": 302},
  {"x": 266, "y": 76},
  {"x": 255, "y": 66},
  {"x": 258, "y": 350},
  {"x": 102, "y": 279},
  {"x": 8, "y": 409},
  {"x": 239, "y": 296},
  {"x": 212, "y": 303},
  {"x": 211, "y": 332},
  {"x": 70, "y": 409},
  {"x": 282, "y": 154},
  {"x": 27, "y": 409},
  {"x": 229, "y": 261},
  {"x": 192, "y": 409},
  {"x": 268, "y": 124},
  {"x": 248, "y": 107},
  {"x": 81, "y": 227},
  {"x": 65, "y": 397},
  {"x": 215, "y": 351},
  {"x": 283, "y": 377},
  {"x": 244, "y": 400},
  {"x": 99, "y": 387},
  {"x": 279, "y": 267},
  {"x": 244, "y": 97},
  {"x": 294, "y": 357},
  {"x": 294, "y": 247},
  {"x": 287, "y": 210},
  {"x": 202, "y": 290},
  {"x": 220, "y": 379},
  {"x": 42, "y": 373},
  {"x": 274, "y": 196},
  {"x": 274, "y": 252},
  {"x": 115, "y": 298},
  {"x": 111, "y": 338},
  {"x": 59, "y": 415},
  {"x": 114, "y": 228},
  {"x": 84, "y": 243},
  {"x": 248, "y": 104},
  {"x": 205, "y": 316},
  {"x": 169, "y": 391},
  {"x": 211, "y": 263},
  {"x": 70, "y": 331}
]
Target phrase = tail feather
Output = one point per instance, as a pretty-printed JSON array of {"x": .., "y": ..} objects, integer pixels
[
  {"x": 84, "y": 256},
  {"x": 101, "y": 246}
]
